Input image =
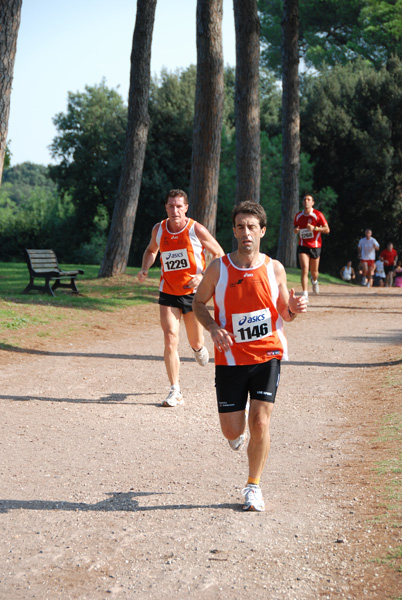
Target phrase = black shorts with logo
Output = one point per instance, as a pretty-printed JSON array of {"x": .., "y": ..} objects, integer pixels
[
  {"x": 312, "y": 252},
  {"x": 185, "y": 303},
  {"x": 235, "y": 383}
]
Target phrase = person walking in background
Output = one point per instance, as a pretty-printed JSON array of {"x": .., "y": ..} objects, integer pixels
[
  {"x": 366, "y": 250},
  {"x": 251, "y": 302},
  {"x": 390, "y": 257},
  {"x": 181, "y": 242},
  {"x": 309, "y": 224},
  {"x": 347, "y": 272}
]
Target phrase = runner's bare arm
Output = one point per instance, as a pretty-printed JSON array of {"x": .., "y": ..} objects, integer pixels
[
  {"x": 320, "y": 228},
  {"x": 211, "y": 245},
  {"x": 208, "y": 241},
  {"x": 220, "y": 337},
  {"x": 149, "y": 256},
  {"x": 289, "y": 305}
]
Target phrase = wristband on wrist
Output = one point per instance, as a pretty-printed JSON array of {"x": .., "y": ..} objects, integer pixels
[{"x": 291, "y": 314}]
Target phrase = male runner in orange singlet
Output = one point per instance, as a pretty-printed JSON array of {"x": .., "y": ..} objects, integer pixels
[
  {"x": 181, "y": 242},
  {"x": 251, "y": 301}
]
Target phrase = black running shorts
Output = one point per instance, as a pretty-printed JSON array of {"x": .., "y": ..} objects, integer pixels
[
  {"x": 312, "y": 252},
  {"x": 234, "y": 384},
  {"x": 185, "y": 303}
]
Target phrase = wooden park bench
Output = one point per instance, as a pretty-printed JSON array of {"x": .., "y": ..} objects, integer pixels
[{"x": 43, "y": 264}]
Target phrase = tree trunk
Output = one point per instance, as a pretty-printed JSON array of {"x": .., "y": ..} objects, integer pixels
[
  {"x": 291, "y": 132},
  {"x": 123, "y": 220},
  {"x": 10, "y": 18},
  {"x": 208, "y": 114},
  {"x": 247, "y": 105}
]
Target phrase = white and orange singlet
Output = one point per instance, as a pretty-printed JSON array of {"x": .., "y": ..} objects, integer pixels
[
  {"x": 245, "y": 305},
  {"x": 182, "y": 255}
]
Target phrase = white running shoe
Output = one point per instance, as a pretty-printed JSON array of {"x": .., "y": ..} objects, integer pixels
[
  {"x": 316, "y": 287},
  {"x": 201, "y": 356},
  {"x": 253, "y": 499},
  {"x": 174, "y": 398},
  {"x": 305, "y": 294},
  {"x": 239, "y": 442}
]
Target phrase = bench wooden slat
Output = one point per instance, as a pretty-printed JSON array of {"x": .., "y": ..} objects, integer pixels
[{"x": 44, "y": 264}]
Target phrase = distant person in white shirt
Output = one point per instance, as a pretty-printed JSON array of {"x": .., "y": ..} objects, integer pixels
[
  {"x": 366, "y": 248},
  {"x": 379, "y": 274},
  {"x": 348, "y": 272}
]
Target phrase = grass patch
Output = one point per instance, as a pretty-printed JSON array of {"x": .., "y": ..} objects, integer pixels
[
  {"x": 389, "y": 472},
  {"x": 95, "y": 294},
  {"x": 38, "y": 313},
  {"x": 389, "y": 469},
  {"x": 293, "y": 277}
]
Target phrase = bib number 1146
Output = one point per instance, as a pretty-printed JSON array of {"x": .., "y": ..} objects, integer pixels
[{"x": 252, "y": 326}]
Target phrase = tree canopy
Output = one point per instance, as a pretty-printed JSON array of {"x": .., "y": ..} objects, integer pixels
[
  {"x": 335, "y": 31},
  {"x": 353, "y": 133},
  {"x": 89, "y": 146}
]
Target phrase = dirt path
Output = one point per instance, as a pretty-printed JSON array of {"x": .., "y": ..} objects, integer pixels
[{"x": 106, "y": 494}]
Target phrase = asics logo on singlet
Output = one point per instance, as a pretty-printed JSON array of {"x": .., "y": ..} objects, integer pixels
[
  {"x": 252, "y": 319},
  {"x": 174, "y": 255}
]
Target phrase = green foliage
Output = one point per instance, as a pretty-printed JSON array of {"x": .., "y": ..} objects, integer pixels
[
  {"x": 270, "y": 103},
  {"x": 169, "y": 149},
  {"x": 20, "y": 181},
  {"x": 90, "y": 146},
  {"x": 335, "y": 31},
  {"x": 168, "y": 155},
  {"x": 382, "y": 23},
  {"x": 271, "y": 185},
  {"x": 7, "y": 156},
  {"x": 271, "y": 14},
  {"x": 351, "y": 128},
  {"x": 32, "y": 214}
]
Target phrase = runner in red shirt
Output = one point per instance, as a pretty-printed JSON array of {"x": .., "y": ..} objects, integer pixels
[
  {"x": 309, "y": 224},
  {"x": 390, "y": 257}
]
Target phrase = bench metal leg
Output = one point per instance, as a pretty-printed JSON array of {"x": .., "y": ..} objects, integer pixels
[
  {"x": 40, "y": 288},
  {"x": 71, "y": 286},
  {"x": 48, "y": 289}
]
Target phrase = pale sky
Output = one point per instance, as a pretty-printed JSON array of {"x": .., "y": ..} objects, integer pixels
[{"x": 64, "y": 45}]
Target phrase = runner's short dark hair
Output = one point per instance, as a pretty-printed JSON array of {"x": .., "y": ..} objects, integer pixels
[
  {"x": 175, "y": 194},
  {"x": 250, "y": 208}
]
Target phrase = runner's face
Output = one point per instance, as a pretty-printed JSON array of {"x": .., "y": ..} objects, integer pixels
[
  {"x": 308, "y": 203},
  {"x": 176, "y": 209},
  {"x": 248, "y": 232}
]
